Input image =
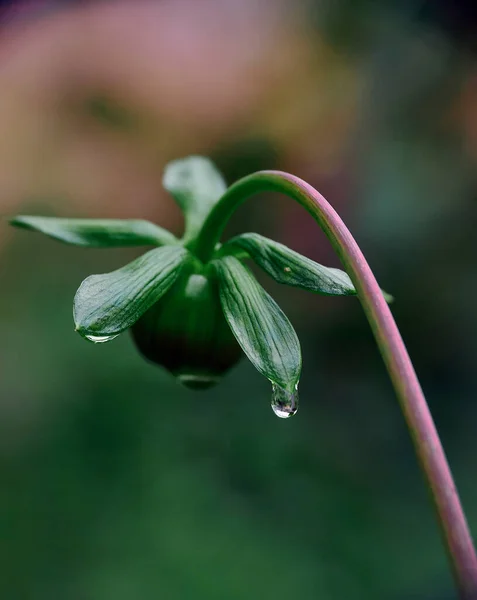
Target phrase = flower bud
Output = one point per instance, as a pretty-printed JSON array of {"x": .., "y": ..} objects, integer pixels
[{"x": 186, "y": 332}]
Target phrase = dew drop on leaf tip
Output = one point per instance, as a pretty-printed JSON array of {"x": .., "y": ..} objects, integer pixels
[{"x": 284, "y": 403}]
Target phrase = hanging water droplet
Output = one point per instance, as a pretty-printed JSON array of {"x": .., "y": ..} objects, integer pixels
[
  {"x": 284, "y": 403},
  {"x": 100, "y": 339}
]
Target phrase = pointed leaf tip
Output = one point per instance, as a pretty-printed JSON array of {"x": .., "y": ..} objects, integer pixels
[
  {"x": 261, "y": 328},
  {"x": 108, "y": 304}
]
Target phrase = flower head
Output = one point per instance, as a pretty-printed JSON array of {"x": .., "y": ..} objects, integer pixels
[{"x": 194, "y": 317}]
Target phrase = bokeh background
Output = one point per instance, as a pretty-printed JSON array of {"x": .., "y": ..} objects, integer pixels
[{"x": 119, "y": 484}]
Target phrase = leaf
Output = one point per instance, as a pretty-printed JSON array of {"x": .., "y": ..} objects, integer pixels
[
  {"x": 196, "y": 185},
  {"x": 106, "y": 305},
  {"x": 261, "y": 328},
  {"x": 104, "y": 233},
  {"x": 289, "y": 267}
]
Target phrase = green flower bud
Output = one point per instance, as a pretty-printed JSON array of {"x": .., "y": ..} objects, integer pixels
[
  {"x": 193, "y": 306},
  {"x": 186, "y": 331}
]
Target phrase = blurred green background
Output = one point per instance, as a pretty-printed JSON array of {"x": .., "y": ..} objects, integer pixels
[{"x": 119, "y": 484}]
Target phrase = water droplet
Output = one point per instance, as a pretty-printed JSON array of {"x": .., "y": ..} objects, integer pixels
[
  {"x": 284, "y": 403},
  {"x": 100, "y": 339}
]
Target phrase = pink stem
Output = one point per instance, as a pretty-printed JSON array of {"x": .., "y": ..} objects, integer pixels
[{"x": 426, "y": 441}]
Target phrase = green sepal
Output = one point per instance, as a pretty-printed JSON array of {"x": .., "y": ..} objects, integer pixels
[
  {"x": 261, "y": 328},
  {"x": 99, "y": 233},
  {"x": 289, "y": 267},
  {"x": 196, "y": 185},
  {"x": 106, "y": 305}
]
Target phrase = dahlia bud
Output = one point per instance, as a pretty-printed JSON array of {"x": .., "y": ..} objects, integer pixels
[
  {"x": 186, "y": 331},
  {"x": 192, "y": 305}
]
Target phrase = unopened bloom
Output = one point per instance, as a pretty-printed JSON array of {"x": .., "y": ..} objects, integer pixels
[{"x": 194, "y": 316}]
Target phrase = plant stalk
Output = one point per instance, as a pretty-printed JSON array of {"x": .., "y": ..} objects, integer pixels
[{"x": 429, "y": 450}]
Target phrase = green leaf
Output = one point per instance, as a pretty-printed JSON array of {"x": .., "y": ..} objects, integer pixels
[
  {"x": 261, "y": 328},
  {"x": 288, "y": 267},
  {"x": 291, "y": 268},
  {"x": 196, "y": 185},
  {"x": 105, "y": 233},
  {"x": 106, "y": 305}
]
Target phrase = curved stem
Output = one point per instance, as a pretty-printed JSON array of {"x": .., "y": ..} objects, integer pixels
[{"x": 423, "y": 432}]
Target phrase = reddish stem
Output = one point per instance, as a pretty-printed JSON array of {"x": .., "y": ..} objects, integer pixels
[{"x": 423, "y": 432}]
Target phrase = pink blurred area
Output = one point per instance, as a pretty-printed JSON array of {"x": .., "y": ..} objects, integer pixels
[{"x": 185, "y": 76}]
